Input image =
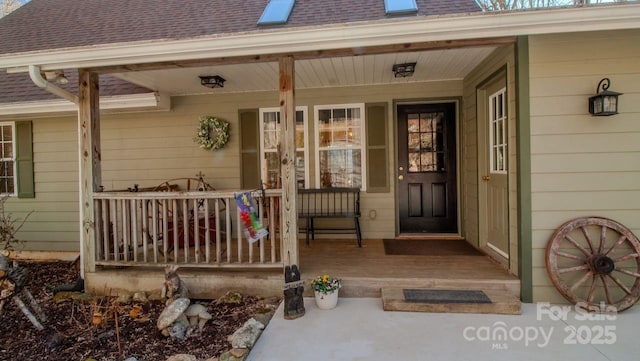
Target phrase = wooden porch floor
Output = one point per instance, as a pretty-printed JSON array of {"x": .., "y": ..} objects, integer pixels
[{"x": 364, "y": 271}]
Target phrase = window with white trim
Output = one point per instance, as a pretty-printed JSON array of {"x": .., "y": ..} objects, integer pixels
[
  {"x": 498, "y": 131},
  {"x": 340, "y": 146},
  {"x": 269, "y": 140},
  {"x": 7, "y": 159}
]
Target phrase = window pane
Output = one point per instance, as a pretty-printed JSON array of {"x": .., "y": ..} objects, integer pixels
[
  {"x": 270, "y": 140},
  {"x": 299, "y": 138},
  {"x": 324, "y": 116},
  {"x": 300, "y": 174},
  {"x": 340, "y": 145},
  {"x": 299, "y": 117},
  {"x": 340, "y": 168},
  {"x": 353, "y": 135},
  {"x": 413, "y": 123},
  {"x": 7, "y": 155},
  {"x": 414, "y": 162},
  {"x": 353, "y": 116}
]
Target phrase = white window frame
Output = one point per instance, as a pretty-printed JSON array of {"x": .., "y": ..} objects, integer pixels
[
  {"x": 363, "y": 142},
  {"x": 305, "y": 150},
  {"x": 13, "y": 159},
  {"x": 498, "y": 119}
]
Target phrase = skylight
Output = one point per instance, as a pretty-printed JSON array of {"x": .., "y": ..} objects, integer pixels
[
  {"x": 276, "y": 12},
  {"x": 392, "y": 7}
]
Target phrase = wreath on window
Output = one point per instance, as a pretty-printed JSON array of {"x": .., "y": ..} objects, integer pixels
[{"x": 213, "y": 133}]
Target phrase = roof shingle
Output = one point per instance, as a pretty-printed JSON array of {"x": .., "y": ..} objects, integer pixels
[{"x": 54, "y": 24}]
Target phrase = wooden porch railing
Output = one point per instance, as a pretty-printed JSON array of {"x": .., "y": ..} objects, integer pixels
[{"x": 191, "y": 229}]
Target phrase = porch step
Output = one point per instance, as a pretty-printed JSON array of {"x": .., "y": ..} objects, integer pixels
[{"x": 497, "y": 301}]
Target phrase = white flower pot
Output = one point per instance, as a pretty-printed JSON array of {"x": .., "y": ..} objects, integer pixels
[{"x": 326, "y": 301}]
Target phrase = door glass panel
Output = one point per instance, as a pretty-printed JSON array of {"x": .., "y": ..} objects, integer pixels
[
  {"x": 425, "y": 142},
  {"x": 497, "y": 131}
]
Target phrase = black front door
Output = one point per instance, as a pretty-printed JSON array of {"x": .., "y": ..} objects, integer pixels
[{"x": 427, "y": 168}]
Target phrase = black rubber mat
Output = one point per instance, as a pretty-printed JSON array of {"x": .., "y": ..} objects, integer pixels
[{"x": 445, "y": 296}]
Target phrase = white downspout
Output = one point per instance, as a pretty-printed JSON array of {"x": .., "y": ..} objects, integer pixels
[{"x": 37, "y": 79}]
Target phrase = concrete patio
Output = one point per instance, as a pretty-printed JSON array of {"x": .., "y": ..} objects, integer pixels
[{"x": 358, "y": 329}]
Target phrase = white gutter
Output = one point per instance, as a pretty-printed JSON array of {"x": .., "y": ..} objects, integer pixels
[
  {"x": 339, "y": 36},
  {"x": 108, "y": 104},
  {"x": 37, "y": 79}
]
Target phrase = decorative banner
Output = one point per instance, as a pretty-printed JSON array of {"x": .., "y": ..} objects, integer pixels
[{"x": 253, "y": 229}]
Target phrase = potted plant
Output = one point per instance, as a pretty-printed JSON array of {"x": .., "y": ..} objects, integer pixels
[{"x": 326, "y": 291}]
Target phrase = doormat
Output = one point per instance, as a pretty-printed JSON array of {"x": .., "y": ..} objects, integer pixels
[
  {"x": 443, "y": 247},
  {"x": 445, "y": 296}
]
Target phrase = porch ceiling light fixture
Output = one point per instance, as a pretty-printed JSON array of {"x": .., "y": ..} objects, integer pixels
[
  {"x": 605, "y": 102},
  {"x": 404, "y": 70},
  {"x": 212, "y": 81}
]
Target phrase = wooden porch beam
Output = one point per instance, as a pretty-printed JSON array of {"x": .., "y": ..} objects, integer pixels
[
  {"x": 89, "y": 158},
  {"x": 287, "y": 161},
  {"x": 314, "y": 54}
]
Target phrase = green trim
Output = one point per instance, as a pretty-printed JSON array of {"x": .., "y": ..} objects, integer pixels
[
  {"x": 248, "y": 124},
  {"x": 24, "y": 160},
  {"x": 377, "y": 170},
  {"x": 523, "y": 128}
]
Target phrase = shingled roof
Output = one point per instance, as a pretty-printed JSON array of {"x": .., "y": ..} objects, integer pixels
[
  {"x": 54, "y": 24},
  {"x": 19, "y": 88}
]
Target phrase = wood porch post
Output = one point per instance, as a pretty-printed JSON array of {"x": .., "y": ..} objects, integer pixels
[
  {"x": 89, "y": 168},
  {"x": 287, "y": 166}
]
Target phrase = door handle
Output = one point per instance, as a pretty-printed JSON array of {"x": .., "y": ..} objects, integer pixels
[
  {"x": 400, "y": 177},
  {"x": 486, "y": 178}
]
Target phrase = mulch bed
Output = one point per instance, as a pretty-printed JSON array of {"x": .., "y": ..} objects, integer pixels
[{"x": 70, "y": 333}]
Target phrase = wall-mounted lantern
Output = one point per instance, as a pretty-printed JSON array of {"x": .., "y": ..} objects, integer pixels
[{"x": 605, "y": 102}]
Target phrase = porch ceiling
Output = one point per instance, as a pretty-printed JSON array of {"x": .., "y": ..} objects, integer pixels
[{"x": 434, "y": 65}]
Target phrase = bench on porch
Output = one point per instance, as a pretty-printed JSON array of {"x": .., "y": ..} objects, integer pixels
[{"x": 329, "y": 203}]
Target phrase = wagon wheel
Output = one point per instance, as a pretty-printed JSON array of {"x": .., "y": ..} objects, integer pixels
[{"x": 595, "y": 261}]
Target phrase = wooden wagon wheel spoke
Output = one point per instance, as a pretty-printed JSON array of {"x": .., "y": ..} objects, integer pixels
[
  {"x": 578, "y": 246},
  {"x": 587, "y": 238},
  {"x": 620, "y": 284},
  {"x": 634, "y": 274},
  {"x": 573, "y": 269},
  {"x": 570, "y": 271},
  {"x": 626, "y": 258},
  {"x": 606, "y": 290},
  {"x": 592, "y": 289},
  {"x": 581, "y": 281},
  {"x": 617, "y": 244},
  {"x": 567, "y": 255},
  {"x": 603, "y": 239}
]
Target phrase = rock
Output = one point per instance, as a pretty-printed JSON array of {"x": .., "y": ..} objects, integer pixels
[
  {"x": 177, "y": 331},
  {"x": 154, "y": 295},
  {"x": 131, "y": 359},
  {"x": 123, "y": 298},
  {"x": 227, "y": 356},
  {"x": 238, "y": 352},
  {"x": 230, "y": 298},
  {"x": 212, "y": 359},
  {"x": 172, "y": 312},
  {"x": 140, "y": 297},
  {"x": 182, "y": 357},
  {"x": 247, "y": 335},
  {"x": 264, "y": 318}
]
